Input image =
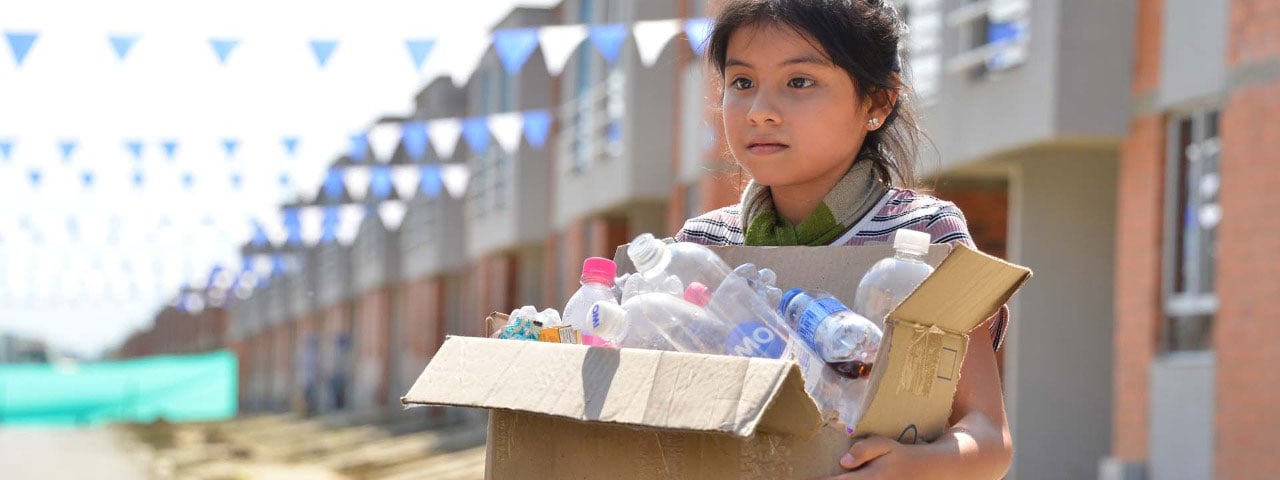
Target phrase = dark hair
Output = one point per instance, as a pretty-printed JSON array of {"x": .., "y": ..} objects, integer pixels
[{"x": 859, "y": 36}]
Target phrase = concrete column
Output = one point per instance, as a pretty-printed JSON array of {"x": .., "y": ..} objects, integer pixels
[{"x": 1058, "y": 366}]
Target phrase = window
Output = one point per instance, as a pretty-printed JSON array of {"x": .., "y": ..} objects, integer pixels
[
  {"x": 922, "y": 52},
  {"x": 586, "y": 96},
  {"x": 478, "y": 192},
  {"x": 502, "y": 181},
  {"x": 1192, "y": 215},
  {"x": 993, "y": 35}
]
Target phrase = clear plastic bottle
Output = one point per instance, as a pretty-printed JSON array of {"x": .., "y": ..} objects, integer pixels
[
  {"x": 745, "y": 324},
  {"x": 636, "y": 284},
  {"x": 890, "y": 280},
  {"x": 656, "y": 260},
  {"x": 597, "y": 285},
  {"x": 655, "y": 321},
  {"x": 845, "y": 340}
]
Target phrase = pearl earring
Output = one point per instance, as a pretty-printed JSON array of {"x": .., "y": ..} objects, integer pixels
[{"x": 873, "y": 123}]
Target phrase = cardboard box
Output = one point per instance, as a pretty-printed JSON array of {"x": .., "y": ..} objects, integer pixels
[{"x": 572, "y": 411}]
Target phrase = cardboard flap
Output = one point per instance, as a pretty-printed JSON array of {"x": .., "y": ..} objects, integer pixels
[
  {"x": 645, "y": 388},
  {"x": 966, "y": 289}
]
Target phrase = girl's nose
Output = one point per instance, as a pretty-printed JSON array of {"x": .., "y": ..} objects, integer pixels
[{"x": 763, "y": 110}]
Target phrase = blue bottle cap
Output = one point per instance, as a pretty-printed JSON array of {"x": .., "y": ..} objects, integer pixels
[{"x": 786, "y": 300}]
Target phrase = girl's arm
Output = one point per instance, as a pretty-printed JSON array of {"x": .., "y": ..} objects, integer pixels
[{"x": 978, "y": 444}]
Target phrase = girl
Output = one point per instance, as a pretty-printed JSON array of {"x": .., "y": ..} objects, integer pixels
[{"x": 816, "y": 112}]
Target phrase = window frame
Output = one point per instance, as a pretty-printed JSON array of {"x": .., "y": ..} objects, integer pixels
[{"x": 1193, "y": 299}]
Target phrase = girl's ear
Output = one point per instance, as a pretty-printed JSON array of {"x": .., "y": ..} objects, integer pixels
[{"x": 881, "y": 103}]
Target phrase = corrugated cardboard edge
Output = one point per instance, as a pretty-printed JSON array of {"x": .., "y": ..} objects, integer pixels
[
  {"x": 498, "y": 371},
  {"x": 873, "y": 420}
]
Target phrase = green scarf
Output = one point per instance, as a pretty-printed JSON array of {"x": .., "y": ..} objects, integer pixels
[{"x": 851, "y": 198}]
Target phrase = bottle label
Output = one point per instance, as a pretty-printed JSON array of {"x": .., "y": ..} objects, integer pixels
[
  {"x": 807, "y": 326},
  {"x": 753, "y": 339}
]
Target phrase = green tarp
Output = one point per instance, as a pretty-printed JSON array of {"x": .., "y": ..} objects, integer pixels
[{"x": 175, "y": 388}]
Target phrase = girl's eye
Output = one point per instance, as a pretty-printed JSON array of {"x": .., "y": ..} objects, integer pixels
[
  {"x": 799, "y": 82},
  {"x": 741, "y": 83}
]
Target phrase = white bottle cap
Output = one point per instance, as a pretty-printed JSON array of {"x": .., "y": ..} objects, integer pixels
[
  {"x": 911, "y": 241},
  {"x": 605, "y": 314},
  {"x": 646, "y": 252}
]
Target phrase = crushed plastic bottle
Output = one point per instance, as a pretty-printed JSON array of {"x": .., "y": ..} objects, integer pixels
[{"x": 655, "y": 321}]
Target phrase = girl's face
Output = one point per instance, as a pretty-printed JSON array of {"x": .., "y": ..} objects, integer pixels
[{"x": 792, "y": 118}]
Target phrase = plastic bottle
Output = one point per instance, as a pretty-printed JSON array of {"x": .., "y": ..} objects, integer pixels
[
  {"x": 845, "y": 340},
  {"x": 636, "y": 284},
  {"x": 745, "y": 324},
  {"x": 655, "y": 321},
  {"x": 890, "y": 280},
  {"x": 656, "y": 260},
  {"x": 597, "y": 285}
]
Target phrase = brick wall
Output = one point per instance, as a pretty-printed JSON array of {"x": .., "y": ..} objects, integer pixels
[
  {"x": 1139, "y": 223},
  {"x": 1247, "y": 329},
  {"x": 1137, "y": 300}
]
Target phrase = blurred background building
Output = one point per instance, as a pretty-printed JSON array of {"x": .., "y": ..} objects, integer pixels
[{"x": 1126, "y": 151}]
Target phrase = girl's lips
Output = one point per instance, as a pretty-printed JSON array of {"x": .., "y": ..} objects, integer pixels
[{"x": 766, "y": 148}]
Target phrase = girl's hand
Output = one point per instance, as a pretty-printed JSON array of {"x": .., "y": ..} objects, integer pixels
[{"x": 879, "y": 457}]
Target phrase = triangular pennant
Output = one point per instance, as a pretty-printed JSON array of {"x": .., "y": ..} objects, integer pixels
[
  {"x": 414, "y": 137},
  {"x": 537, "y": 127},
  {"x": 86, "y": 178},
  {"x": 285, "y": 180},
  {"x": 122, "y": 44},
  {"x": 429, "y": 180},
  {"x": 291, "y": 219},
  {"x": 138, "y": 178},
  {"x": 652, "y": 36},
  {"x": 349, "y": 217},
  {"x": 333, "y": 185},
  {"x": 405, "y": 179},
  {"x": 290, "y": 145},
  {"x": 20, "y": 43},
  {"x": 384, "y": 138},
  {"x": 359, "y": 147},
  {"x": 135, "y": 148},
  {"x": 279, "y": 265},
  {"x": 323, "y": 49},
  {"x": 6, "y": 148},
  {"x": 380, "y": 186},
  {"x": 312, "y": 224},
  {"x": 392, "y": 214},
  {"x": 34, "y": 176},
  {"x": 506, "y": 129},
  {"x": 223, "y": 47},
  {"x": 514, "y": 47},
  {"x": 455, "y": 177},
  {"x": 68, "y": 147},
  {"x": 188, "y": 180},
  {"x": 476, "y": 132},
  {"x": 357, "y": 178},
  {"x": 608, "y": 40},
  {"x": 237, "y": 180},
  {"x": 170, "y": 149},
  {"x": 443, "y": 134},
  {"x": 229, "y": 146},
  {"x": 698, "y": 30},
  {"x": 558, "y": 43},
  {"x": 467, "y": 52},
  {"x": 419, "y": 49}
]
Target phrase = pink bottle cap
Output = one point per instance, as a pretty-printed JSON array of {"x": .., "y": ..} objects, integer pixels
[
  {"x": 598, "y": 270},
  {"x": 697, "y": 294}
]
